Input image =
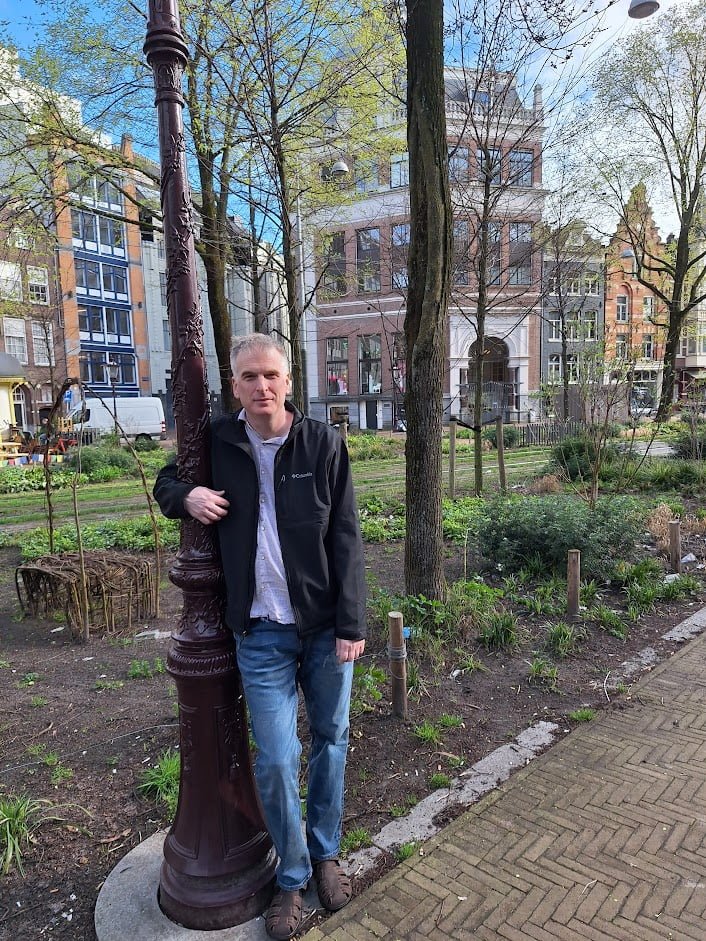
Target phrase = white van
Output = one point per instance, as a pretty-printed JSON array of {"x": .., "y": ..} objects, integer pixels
[{"x": 141, "y": 417}]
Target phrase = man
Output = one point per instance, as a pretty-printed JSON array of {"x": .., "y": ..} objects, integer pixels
[{"x": 292, "y": 558}]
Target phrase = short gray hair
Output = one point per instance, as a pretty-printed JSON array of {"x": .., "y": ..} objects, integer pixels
[{"x": 256, "y": 341}]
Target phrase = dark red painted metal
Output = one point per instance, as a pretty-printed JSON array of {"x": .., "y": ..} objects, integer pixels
[{"x": 218, "y": 859}]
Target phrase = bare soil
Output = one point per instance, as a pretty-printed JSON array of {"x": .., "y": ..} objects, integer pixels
[{"x": 75, "y": 730}]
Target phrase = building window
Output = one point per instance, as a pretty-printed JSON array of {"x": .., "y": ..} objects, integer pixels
[
  {"x": 399, "y": 170},
  {"x": 84, "y": 229},
  {"x": 43, "y": 343},
  {"x": 592, "y": 285},
  {"x": 112, "y": 236},
  {"x": 367, "y": 177},
  {"x": 520, "y": 167},
  {"x": 621, "y": 308},
  {"x": 38, "y": 285},
  {"x": 99, "y": 324},
  {"x": 573, "y": 286},
  {"x": 166, "y": 335},
  {"x": 337, "y": 365},
  {"x": 461, "y": 245},
  {"x": 552, "y": 284},
  {"x": 458, "y": 165},
  {"x": 622, "y": 342},
  {"x": 90, "y": 323},
  {"x": 163, "y": 288},
  {"x": 590, "y": 325},
  {"x": 520, "y": 253},
  {"x": 554, "y": 371},
  {"x": 368, "y": 260},
  {"x": 87, "y": 277},
  {"x": 15, "y": 338},
  {"x": 399, "y": 251},
  {"x": 648, "y": 346},
  {"x": 572, "y": 367},
  {"x": 20, "y": 239},
  {"x": 370, "y": 364},
  {"x": 117, "y": 325},
  {"x": 554, "y": 325},
  {"x": 126, "y": 362},
  {"x": 648, "y": 306},
  {"x": 10, "y": 281},
  {"x": 490, "y": 164},
  {"x": 94, "y": 189},
  {"x": 93, "y": 366},
  {"x": 114, "y": 282},
  {"x": 399, "y": 363},
  {"x": 334, "y": 283}
]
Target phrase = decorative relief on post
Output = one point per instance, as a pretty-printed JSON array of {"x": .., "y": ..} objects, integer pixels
[
  {"x": 167, "y": 77},
  {"x": 187, "y": 715},
  {"x": 172, "y": 160}
]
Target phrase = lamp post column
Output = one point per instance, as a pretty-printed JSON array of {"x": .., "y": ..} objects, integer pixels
[{"x": 218, "y": 859}]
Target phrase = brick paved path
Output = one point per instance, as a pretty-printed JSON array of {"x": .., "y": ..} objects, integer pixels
[{"x": 603, "y": 838}]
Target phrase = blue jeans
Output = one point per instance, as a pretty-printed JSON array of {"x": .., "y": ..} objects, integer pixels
[{"x": 272, "y": 659}]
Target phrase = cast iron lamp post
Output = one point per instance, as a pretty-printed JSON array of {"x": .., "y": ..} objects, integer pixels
[
  {"x": 219, "y": 862},
  {"x": 113, "y": 370}
]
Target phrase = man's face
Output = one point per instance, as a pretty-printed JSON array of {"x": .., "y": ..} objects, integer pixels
[{"x": 261, "y": 382}]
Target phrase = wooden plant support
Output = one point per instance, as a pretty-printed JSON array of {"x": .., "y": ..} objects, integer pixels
[
  {"x": 453, "y": 425},
  {"x": 675, "y": 546},
  {"x": 573, "y": 582},
  {"x": 500, "y": 442},
  {"x": 397, "y": 652}
]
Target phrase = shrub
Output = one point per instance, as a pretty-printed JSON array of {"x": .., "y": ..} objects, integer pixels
[
  {"x": 576, "y": 456},
  {"x": 519, "y": 532},
  {"x": 689, "y": 440},
  {"x": 511, "y": 436},
  {"x": 146, "y": 444}
]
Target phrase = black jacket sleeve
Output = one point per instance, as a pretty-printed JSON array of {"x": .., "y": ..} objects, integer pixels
[
  {"x": 169, "y": 492},
  {"x": 346, "y": 550}
]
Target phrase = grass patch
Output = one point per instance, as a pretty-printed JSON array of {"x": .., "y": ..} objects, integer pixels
[{"x": 161, "y": 781}]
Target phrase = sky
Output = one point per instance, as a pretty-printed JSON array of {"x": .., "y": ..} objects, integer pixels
[{"x": 18, "y": 12}]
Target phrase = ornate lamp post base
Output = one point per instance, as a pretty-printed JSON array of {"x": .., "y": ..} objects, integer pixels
[{"x": 219, "y": 862}]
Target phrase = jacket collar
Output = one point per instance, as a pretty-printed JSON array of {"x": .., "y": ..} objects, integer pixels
[{"x": 231, "y": 429}]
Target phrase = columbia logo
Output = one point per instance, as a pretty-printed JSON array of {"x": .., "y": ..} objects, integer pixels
[{"x": 299, "y": 476}]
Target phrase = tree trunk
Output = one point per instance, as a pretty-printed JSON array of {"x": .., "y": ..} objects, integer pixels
[
  {"x": 429, "y": 270},
  {"x": 671, "y": 351}
]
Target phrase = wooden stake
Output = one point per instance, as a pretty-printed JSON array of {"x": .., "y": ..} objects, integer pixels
[
  {"x": 500, "y": 442},
  {"x": 453, "y": 424},
  {"x": 573, "y": 582},
  {"x": 675, "y": 545},
  {"x": 398, "y": 664}
]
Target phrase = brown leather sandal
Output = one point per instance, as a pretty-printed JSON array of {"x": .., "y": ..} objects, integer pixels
[
  {"x": 333, "y": 885},
  {"x": 284, "y": 916}
]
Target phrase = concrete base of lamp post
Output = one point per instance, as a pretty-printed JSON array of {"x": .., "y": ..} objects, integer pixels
[{"x": 127, "y": 905}]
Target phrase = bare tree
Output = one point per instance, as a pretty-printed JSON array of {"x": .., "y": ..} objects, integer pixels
[{"x": 652, "y": 90}]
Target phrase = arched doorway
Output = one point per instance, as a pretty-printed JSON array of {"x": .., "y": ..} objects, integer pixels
[
  {"x": 498, "y": 387},
  {"x": 495, "y": 360}
]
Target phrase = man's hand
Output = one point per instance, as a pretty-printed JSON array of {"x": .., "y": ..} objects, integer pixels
[
  {"x": 349, "y": 650},
  {"x": 206, "y": 505}
]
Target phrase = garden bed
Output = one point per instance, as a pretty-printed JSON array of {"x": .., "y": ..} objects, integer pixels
[{"x": 80, "y": 724}]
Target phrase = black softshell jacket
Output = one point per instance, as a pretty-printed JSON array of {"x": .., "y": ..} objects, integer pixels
[{"x": 317, "y": 522}]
